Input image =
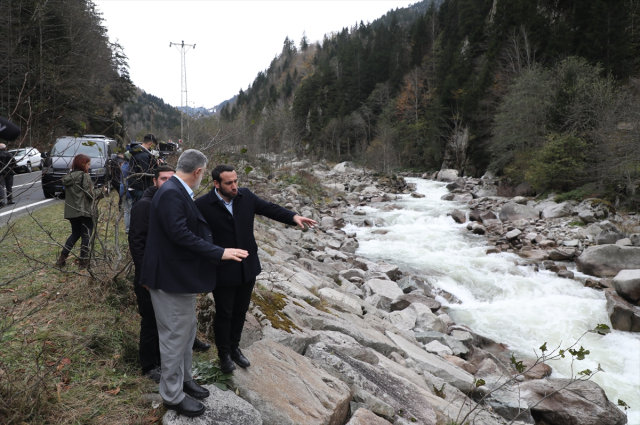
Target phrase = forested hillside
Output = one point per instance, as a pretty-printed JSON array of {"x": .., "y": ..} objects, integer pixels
[
  {"x": 145, "y": 113},
  {"x": 542, "y": 90},
  {"x": 59, "y": 73}
]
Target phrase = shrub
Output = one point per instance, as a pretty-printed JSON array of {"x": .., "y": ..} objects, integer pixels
[{"x": 558, "y": 164}]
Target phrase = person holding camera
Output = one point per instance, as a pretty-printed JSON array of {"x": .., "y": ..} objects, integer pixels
[{"x": 142, "y": 167}]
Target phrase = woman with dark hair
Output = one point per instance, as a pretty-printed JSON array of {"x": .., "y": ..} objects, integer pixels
[{"x": 79, "y": 204}]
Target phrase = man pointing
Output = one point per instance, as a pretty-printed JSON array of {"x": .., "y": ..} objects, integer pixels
[
  {"x": 230, "y": 211},
  {"x": 179, "y": 262}
]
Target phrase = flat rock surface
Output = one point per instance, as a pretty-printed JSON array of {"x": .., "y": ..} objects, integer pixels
[
  {"x": 366, "y": 417},
  {"x": 287, "y": 389},
  {"x": 223, "y": 408}
]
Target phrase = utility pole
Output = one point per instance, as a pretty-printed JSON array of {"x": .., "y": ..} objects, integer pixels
[{"x": 183, "y": 48}]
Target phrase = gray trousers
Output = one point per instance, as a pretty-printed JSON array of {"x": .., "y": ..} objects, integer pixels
[{"x": 176, "y": 318}]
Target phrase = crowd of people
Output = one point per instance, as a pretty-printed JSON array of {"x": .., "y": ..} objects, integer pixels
[{"x": 181, "y": 247}]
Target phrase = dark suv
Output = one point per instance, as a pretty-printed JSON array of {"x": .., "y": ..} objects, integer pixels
[{"x": 57, "y": 162}]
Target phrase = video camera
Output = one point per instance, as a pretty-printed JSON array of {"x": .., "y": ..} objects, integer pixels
[{"x": 8, "y": 130}]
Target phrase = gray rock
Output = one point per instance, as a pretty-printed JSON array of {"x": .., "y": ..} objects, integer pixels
[
  {"x": 513, "y": 234},
  {"x": 349, "y": 245},
  {"x": 525, "y": 189},
  {"x": 222, "y": 408},
  {"x": 623, "y": 315},
  {"x": 507, "y": 403},
  {"x": 562, "y": 254},
  {"x": 484, "y": 190},
  {"x": 487, "y": 215},
  {"x": 435, "y": 365},
  {"x": 563, "y": 209},
  {"x": 566, "y": 274},
  {"x": 417, "y": 195},
  {"x": 436, "y": 347},
  {"x": 478, "y": 229},
  {"x": 581, "y": 403},
  {"x": 366, "y": 417},
  {"x": 351, "y": 273},
  {"x": 627, "y": 285},
  {"x": 458, "y": 216},
  {"x": 412, "y": 283},
  {"x": 624, "y": 242},
  {"x": 426, "y": 320},
  {"x": 458, "y": 183},
  {"x": 608, "y": 260},
  {"x": 520, "y": 200},
  {"x": 278, "y": 384},
  {"x": 387, "y": 290},
  {"x": 512, "y": 211},
  {"x": 457, "y": 346},
  {"x": 372, "y": 383},
  {"x": 608, "y": 237},
  {"x": 447, "y": 175},
  {"x": 403, "y": 301}
]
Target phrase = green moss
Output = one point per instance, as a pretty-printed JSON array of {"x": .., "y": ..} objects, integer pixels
[
  {"x": 577, "y": 223},
  {"x": 271, "y": 305}
]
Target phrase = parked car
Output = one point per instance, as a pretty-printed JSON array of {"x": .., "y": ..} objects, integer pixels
[
  {"x": 57, "y": 162},
  {"x": 26, "y": 159}
]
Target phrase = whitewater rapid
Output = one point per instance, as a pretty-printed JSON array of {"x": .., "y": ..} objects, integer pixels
[{"x": 508, "y": 303}]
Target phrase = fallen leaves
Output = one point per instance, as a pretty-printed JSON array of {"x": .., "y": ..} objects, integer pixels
[{"x": 114, "y": 391}]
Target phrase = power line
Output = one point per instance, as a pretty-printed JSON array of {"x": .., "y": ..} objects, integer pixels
[{"x": 183, "y": 48}]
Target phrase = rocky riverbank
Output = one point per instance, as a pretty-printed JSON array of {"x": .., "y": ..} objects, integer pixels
[
  {"x": 335, "y": 338},
  {"x": 604, "y": 245}
]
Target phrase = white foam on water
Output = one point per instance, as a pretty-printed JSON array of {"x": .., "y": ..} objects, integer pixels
[{"x": 508, "y": 303}]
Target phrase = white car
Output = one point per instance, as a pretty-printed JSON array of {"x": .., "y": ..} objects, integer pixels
[{"x": 27, "y": 158}]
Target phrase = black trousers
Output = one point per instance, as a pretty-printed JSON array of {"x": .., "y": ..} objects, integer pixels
[
  {"x": 149, "y": 350},
  {"x": 232, "y": 304},
  {"x": 8, "y": 184},
  {"x": 81, "y": 227}
]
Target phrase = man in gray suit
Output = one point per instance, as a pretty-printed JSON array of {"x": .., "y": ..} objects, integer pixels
[{"x": 180, "y": 262}]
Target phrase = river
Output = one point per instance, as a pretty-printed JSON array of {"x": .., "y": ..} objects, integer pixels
[{"x": 508, "y": 303}]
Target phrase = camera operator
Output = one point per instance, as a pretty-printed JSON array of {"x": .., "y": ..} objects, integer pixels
[{"x": 142, "y": 166}]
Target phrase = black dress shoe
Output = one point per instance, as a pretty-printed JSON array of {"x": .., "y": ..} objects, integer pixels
[
  {"x": 239, "y": 358},
  {"x": 226, "y": 364},
  {"x": 200, "y": 346},
  {"x": 11, "y": 203},
  {"x": 195, "y": 390},
  {"x": 187, "y": 407}
]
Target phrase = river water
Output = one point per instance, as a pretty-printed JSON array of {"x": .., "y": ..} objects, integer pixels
[{"x": 505, "y": 302}]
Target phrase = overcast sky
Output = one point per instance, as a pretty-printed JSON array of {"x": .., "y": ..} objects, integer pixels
[{"x": 234, "y": 39}]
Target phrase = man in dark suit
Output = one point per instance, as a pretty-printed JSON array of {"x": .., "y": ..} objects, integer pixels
[
  {"x": 179, "y": 262},
  {"x": 230, "y": 212},
  {"x": 149, "y": 347}
]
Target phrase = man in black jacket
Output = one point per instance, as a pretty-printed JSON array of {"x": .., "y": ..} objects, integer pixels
[
  {"x": 7, "y": 170},
  {"x": 230, "y": 212},
  {"x": 149, "y": 349},
  {"x": 143, "y": 164},
  {"x": 179, "y": 262}
]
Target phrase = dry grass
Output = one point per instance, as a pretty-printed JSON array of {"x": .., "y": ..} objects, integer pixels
[{"x": 69, "y": 342}]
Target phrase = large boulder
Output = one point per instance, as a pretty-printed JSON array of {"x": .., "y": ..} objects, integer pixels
[
  {"x": 609, "y": 236},
  {"x": 512, "y": 211},
  {"x": 383, "y": 392},
  {"x": 524, "y": 189},
  {"x": 577, "y": 403},
  {"x": 483, "y": 190},
  {"x": 447, "y": 175},
  {"x": 223, "y": 408},
  {"x": 404, "y": 301},
  {"x": 608, "y": 260},
  {"x": 458, "y": 216},
  {"x": 627, "y": 285},
  {"x": 563, "y": 209},
  {"x": 458, "y": 183},
  {"x": 381, "y": 292},
  {"x": 623, "y": 315},
  {"x": 288, "y": 389}
]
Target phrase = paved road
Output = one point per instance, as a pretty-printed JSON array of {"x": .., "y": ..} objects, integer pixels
[{"x": 27, "y": 193}]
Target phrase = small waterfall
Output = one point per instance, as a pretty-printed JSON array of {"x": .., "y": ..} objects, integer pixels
[{"x": 508, "y": 303}]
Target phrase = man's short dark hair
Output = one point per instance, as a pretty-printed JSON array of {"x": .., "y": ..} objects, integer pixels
[
  {"x": 162, "y": 169},
  {"x": 149, "y": 138},
  {"x": 222, "y": 168}
]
